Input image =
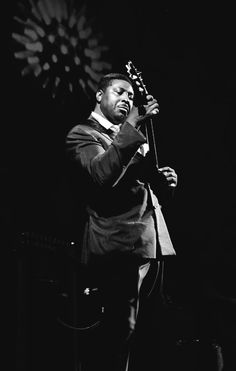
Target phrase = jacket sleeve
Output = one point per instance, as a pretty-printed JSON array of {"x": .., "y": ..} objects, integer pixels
[
  {"x": 148, "y": 172},
  {"x": 104, "y": 164}
]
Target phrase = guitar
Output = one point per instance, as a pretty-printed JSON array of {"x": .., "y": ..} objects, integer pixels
[{"x": 136, "y": 77}]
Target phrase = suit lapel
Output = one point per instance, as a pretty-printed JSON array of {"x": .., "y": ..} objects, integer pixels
[{"x": 91, "y": 121}]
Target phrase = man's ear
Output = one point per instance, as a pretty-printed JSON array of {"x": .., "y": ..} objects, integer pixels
[{"x": 99, "y": 95}]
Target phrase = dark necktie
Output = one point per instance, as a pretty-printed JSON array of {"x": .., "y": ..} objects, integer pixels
[{"x": 112, "y": 131}]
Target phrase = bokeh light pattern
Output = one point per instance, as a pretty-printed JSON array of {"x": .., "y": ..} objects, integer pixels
[{"x": 56, "y": 42}]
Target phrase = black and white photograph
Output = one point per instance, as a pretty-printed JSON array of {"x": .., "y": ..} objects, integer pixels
[{"x": 118, "y": 185}]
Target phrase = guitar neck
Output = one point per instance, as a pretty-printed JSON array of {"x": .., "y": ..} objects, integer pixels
[
  {"x": 150, "y": 136},
  {"x": 135, "y": 75}
]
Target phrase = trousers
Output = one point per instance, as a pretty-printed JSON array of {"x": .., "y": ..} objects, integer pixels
[{"x": 120, "y": 280}]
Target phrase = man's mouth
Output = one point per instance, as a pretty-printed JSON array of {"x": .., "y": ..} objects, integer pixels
[{"x": 124, "y": 109}]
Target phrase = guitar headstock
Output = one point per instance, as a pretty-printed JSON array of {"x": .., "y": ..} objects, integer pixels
[{"x": 136, "y": 77}]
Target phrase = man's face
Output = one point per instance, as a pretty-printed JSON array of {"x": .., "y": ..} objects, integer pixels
[{"x": 117, "y": 101}]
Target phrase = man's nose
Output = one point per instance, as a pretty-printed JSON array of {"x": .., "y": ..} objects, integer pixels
[{"x": 125, "y": 96}]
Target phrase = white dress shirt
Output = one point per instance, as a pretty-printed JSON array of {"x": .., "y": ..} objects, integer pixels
[{"x": 116, "y": 128}]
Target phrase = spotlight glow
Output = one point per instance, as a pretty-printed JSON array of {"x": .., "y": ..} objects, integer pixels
[{"x": 57, "y": 44}]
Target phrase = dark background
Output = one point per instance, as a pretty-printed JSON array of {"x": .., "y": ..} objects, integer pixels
[{"x": 187, "y": 57}]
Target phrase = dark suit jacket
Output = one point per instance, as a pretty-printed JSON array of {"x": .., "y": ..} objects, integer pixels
[{"x": 124, "y": 213}]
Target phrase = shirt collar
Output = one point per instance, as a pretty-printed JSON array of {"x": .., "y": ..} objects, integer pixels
[{"x": 104, "y": 122}]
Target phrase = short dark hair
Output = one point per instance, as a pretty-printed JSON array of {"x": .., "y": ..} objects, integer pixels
[{"x": 107, "y": 79}]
